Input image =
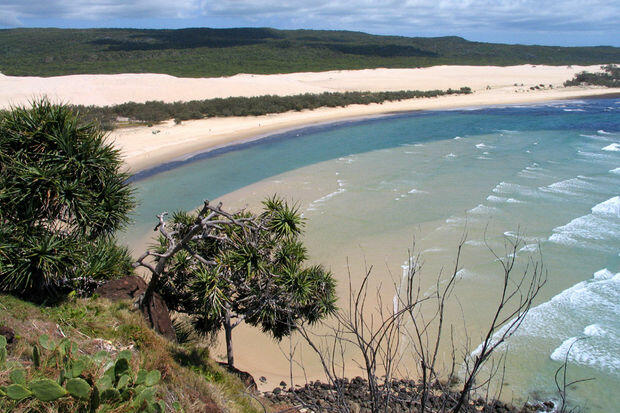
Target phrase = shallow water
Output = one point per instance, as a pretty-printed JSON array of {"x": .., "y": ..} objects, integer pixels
[{"x": 369, "y": 188}]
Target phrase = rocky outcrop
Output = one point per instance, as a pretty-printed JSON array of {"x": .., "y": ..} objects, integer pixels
[
  {"x": 404, "y": 396},
  {"x": 131, "y": 288}
]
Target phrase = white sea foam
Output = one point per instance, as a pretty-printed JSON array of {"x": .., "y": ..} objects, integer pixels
[
  {"x": 586, "y": 352},
  {"x": 533, "y": 171},
  {"x": 417, "y": 191},
  {"x": 507, "y": 188},
  {"x": 483, "y": 209},
  {"x": 481, "y": 145},
  {"x": 450, "y": 155},
  {"x": 601, "y": 225},
  {"x": 455, "y": 220},
  {"x": 347, "y": 159},
  {"x": 571, "y": 186},
  {"x": 610, "y": 207},
  {"x": 570, "y": 314},
  {"x": 594, "y": 330},
  {"x": 574, "y": 110},
  {"x": 457, "y": 137},
  {"x": 317, "y": 202},
  {"x": 465, "y": 273},
  {"x": 614, "y": 147},
  {"x": 602, "y": 132},
  {"x": 475, "y": 243},
  {"x": 615, "y": 171},
  {"x": 529, "y": 248},
  {"x": 603, "y": 274},
  {"x": 501, "y": 199},
  {"x": 595, "y": 137}
]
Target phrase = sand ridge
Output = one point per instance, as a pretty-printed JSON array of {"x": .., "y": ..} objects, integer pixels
[{"x": 144, "y": 147}]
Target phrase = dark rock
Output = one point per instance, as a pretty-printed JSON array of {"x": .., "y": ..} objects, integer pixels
[
  {"x": 263, "y": 379},
  {"x": 246, "y": 378},
  {"x": 282, "y": 383},
  {"x": 8, "y": 333},
  {"x": 549, "y": 404},
  {"x": 131, "y": 288}
]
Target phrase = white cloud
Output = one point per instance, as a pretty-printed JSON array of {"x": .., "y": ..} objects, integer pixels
[
  {"x": 21, "y": 10},
  {"x": 447, "y": 16}
]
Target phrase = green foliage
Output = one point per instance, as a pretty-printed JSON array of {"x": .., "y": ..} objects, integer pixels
[
  {"x": 86, "y": 382},
  {"x": 62, "y": 195},
  {"x": 609, "y": 77},
  {"x": 155, "y": 111},
  {"x": 204, "y": 52},
  {"x": 46, "y": 390},
  {"x": 257, "y": 273}
]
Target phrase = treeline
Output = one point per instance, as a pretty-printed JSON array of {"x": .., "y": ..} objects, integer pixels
[
  {"x": 609, "y": 77},
  {"x": 157, "y": 111},
  {"x": 204, "y": 52}
]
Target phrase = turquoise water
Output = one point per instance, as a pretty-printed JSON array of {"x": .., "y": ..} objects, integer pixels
[{"x": 368, "y": 188}]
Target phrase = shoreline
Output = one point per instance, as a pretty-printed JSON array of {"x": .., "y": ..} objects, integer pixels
[{"x": 150, "y": 150}]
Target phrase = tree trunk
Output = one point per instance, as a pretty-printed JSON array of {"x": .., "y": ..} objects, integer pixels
[{"x": 229, "y": 348}]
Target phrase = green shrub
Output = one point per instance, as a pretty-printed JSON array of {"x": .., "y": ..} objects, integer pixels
[
  {"x": 62, "y": 196},
  {"x": 155, "y": 111},
  {"x": 609, "y": 77},
  {"x": 69, "y": 381}
]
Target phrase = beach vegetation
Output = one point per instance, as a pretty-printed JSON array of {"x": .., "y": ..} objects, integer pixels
[
  {"x": 222, "y": 268},
  {"x": 609, "y": 76},
  {"x": 157, "y": 111},
  {"x": 109, "y": 346},
  {"x": 62, "y": 197}
]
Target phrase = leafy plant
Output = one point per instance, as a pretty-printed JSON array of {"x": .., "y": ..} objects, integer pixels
[
  {"x": 222, "y": 268},
  {"x": 62, "y": 196},
  {"x": 609, "y": 77},
  {"x": 88, "y": 383}
]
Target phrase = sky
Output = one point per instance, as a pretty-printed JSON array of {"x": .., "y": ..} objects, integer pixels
[{"x": 548, "y": 22}]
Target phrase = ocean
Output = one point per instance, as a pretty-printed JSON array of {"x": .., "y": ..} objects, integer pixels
[{"x": 371, "y": 190}]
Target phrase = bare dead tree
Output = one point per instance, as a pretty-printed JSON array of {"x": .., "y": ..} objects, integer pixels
[
  {"x": 563, "y": 385},
  {"x": 515, "y": 300},
  {"x": 417, "y": 324}
]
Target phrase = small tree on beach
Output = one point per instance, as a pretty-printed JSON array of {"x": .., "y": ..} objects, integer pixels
[
  {"x": 223, "y": 268},
  {"x": 61, "y": 190}
]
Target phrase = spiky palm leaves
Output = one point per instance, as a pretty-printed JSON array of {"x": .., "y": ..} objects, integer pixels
[
  {"x": 61, "y": 188},
  {"x": 257, "y": 273}
]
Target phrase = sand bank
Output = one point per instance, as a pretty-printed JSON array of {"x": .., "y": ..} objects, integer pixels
[
  {"x": 104, "y": 90},
  {"x": 143, "y": 147}
]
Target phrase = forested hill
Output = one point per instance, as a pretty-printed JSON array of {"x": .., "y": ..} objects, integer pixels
[{"x": 204, "y": 52}]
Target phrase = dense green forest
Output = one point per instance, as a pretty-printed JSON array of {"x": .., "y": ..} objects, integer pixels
[
  {"x": 157, "y": 111},
  {"x": 203, "y": 52}
]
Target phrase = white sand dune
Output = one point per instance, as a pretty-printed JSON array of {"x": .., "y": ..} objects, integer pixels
[{"x": 142, "y": 148}]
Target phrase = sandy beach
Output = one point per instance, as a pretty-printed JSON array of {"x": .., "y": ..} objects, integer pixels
[
  {"x": 147, "y": 147},
  {"x": 144, "y": 147}
]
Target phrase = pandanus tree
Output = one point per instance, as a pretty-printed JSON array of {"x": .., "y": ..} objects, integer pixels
[
  {"x": 62, "y": 196},
  {"x": 222, "y": 268}
]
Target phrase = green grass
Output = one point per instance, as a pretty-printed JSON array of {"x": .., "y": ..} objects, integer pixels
[
  {"x": 223, "y": 52},
  {"x": 188, "y": 374}
]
